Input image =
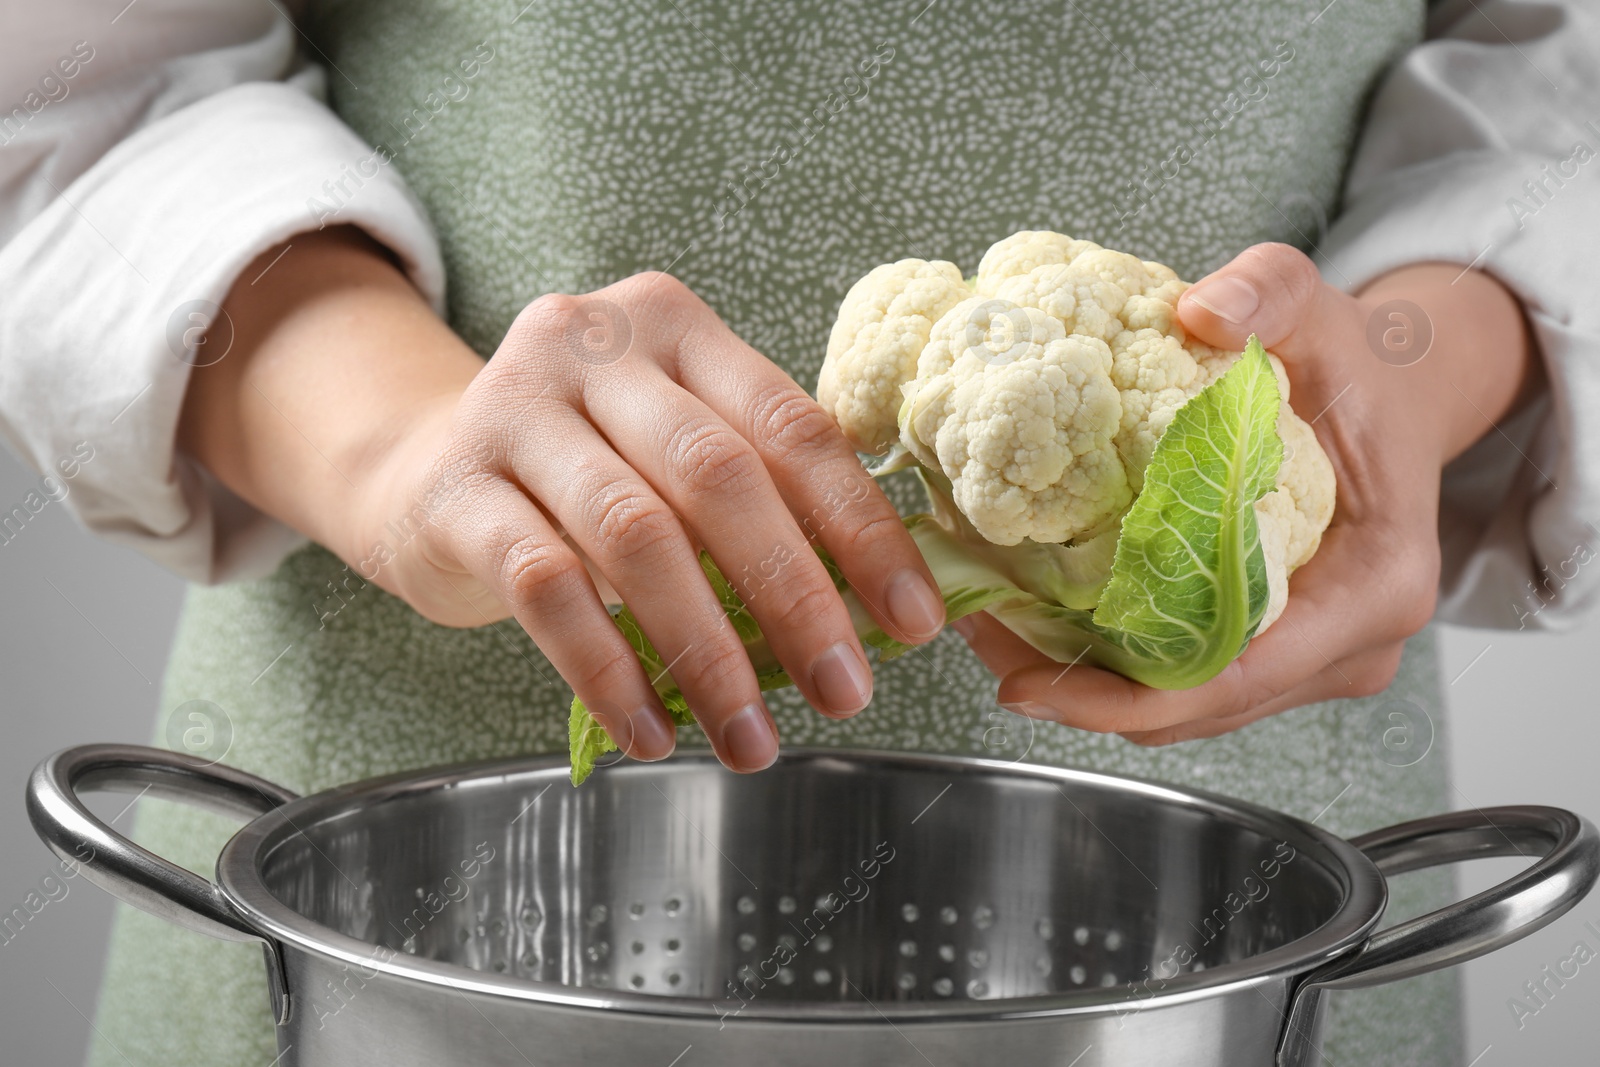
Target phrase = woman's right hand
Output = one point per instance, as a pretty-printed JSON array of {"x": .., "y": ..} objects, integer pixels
[{"x": 609, "y": 439}]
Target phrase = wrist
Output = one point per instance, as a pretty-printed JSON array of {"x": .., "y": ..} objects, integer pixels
[
  {"x": 1458, "y": 342},
  {"x": 337, "y": 366},
  {"x": 392, "y": 498}
]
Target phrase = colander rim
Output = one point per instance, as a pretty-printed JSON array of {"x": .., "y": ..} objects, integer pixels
[{"x": 1365, "y": 896}]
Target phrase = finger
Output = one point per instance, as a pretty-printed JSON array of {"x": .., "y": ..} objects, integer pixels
[
  {"x": 1000, "y": 650},
  {"x": 1331, "y": 684},
  {"x": 815, "y": 470},
  {"x": 631, "y": 534},
  {"x": 1091, "y": 698},
  {"x": 1272, "y": 291},
  {"x": 510, "y": 547},
  {"x": 713, "y": 479},
  {"x": 1329, "y": 618}
]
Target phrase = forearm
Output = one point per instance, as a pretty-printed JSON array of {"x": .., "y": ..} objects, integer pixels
[
  {"x": 1481, "y": 364},
  {"x": 334, "y": 355}
]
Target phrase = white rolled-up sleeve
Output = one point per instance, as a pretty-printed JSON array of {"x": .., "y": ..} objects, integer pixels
[
  {"x": 129, "y": 209},
  {"x": 1482, "y": 148}
]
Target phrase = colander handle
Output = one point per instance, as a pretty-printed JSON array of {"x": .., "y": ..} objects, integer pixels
[
  {"x": 131, "y": 873},
  {"x": 1527, "y": 901}
]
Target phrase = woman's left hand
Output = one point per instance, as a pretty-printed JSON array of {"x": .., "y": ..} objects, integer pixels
[{"x": 1396, "y": 382}]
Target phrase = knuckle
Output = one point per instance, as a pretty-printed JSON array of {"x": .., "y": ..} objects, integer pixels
[
  {"x": 539, "y": 573},
  {"x": 1282, "y": 267},
  {"x": 1408, "y": 574},
  {"x": 1120, "y": 713},
  {"x": 793, "y": 422},
  {"x": 608, "y": 670},
  {"x": 658, "y": 279},
  {"x": 545, "y": 315},
  {"x": 1276, "y": 258},
  {"x": 629, "y": 523},
  {"x": 720, "y": 667},
  {"x": 1243, "y": 691},
  {"x": 585, "y": 329},
  {"x": 1416, "y": 612},
  {"x": 548, "y": 309},
  {"x": 1255, "y": 693},
  {"x": 808, "y": 607},
  {"x": 1418, "y": 596},
  {"x": 872, "y": 529},
  {"x": 661, "y": 290},
  {"x": 1377, "y": 675},
  {"x": 712, "y": 459}
]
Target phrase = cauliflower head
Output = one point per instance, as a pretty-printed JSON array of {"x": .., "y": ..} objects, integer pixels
[{"x": 1040, "y": 390}]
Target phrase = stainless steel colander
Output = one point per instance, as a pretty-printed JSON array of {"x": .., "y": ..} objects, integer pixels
[{"x": 841, "y": 908}]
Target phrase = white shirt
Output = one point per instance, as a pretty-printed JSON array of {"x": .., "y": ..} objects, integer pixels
[{"x": 147, "y": 156}]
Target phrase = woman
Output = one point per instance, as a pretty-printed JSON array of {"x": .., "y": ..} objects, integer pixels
[{"x": 466, "y": 519}]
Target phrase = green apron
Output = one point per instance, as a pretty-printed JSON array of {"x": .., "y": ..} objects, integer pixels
[{"x": 769, "y": 154}]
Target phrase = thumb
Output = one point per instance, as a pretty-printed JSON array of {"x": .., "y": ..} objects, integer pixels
[{"x": 1270, "y": 290}]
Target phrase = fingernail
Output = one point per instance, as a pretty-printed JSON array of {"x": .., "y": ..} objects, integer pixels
[
  {"x": 1230, "y": 299},
  {"x": 749, "y": 743},
  {"x": 914, "y": 605},
  {"x": 1029, "y": 709},
  {"x": 842, "y": 679},
  {"x": 653, "y": 738}
]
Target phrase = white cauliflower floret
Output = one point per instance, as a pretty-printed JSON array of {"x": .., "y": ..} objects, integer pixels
[
  {"x": 1306, "y": 477},
  {"x": 1156, "y": 374},
  {"x": 1082, "y": 301},
  {"x": 1020, "y": 417},
  {"x": 1042, "y": 398},
  {"x": 882, "y": 327},
  {"x": 1292, "y": 517},
  {"x": 1126, "y": 302},
  {"x": 1021, "y": 253},
  {"x": 1116, "y": 268}
]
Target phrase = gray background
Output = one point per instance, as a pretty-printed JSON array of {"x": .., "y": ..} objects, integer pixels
[{"x": 86, "y": 627}]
